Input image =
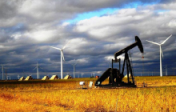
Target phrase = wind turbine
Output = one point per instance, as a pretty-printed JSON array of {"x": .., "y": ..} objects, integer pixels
[
  {"x": 8, "y": 77},
  {"x": 37, "y": 67},
  {"x": 74, "y": 66},
  {"x": 161, "y": 53},
  {"x": 4, "y": 69},
  {"x": 18, "y": 76},
  {"x": 2, "y": 72},
  {"x": 82, "y": 74},
  {"x": 62, "y": 57}
]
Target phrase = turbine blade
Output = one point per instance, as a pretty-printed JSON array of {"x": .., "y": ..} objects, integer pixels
[
  {"x": 62, "y": 53},
  {"x": 166, "y": 39},
  {"x": 56, "y": 48},
  {"x": 66, "y": 45},
  {"x": 35, "y": 68},
  {"x": 153, "y": 42}
]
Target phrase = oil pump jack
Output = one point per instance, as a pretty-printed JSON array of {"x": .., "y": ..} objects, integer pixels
[{"x": 116, "y": 76}]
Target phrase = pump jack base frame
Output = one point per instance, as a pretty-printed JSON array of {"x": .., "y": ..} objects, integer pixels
[{"x": 121, "y": 85}]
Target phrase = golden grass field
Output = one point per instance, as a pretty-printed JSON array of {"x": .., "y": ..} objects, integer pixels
[{"x": 67, "y": 96}]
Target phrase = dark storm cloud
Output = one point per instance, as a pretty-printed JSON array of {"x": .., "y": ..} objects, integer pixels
[{"x": 31, "y": 11}]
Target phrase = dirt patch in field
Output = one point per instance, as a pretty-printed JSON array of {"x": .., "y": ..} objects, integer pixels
[
  {"x": 7, "y": 97},
  {"x": 96, "y": 110}
]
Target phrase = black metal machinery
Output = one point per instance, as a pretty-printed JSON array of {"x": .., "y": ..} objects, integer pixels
[{"x": 115, "y": 75}]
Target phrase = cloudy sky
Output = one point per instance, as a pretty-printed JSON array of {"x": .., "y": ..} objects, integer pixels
[{"x": 93, "y": 29}]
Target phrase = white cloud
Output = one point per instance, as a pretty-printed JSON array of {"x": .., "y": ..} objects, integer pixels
[
  {"x": 65, "y": 24},
  {"x": 109, "y": 58},
  {"x": 96, "y": 22},
  {"x": 42, "y": 35},
  {"x": 8, "y": 22},
  {"x": 112, "y": 27},
  {"x": 16, "y": 36},
  {"x": 1, "y": 46},
  {"x": 172, "y": 24},
  {"x": 168, "y": 6},
  {"x": 127, "y": 23},
  {"x": 104, "y": 32},
  {"x": 82, "y": 61},
  {"x": 118, "y": 45},
  {"x": 79, "y": 46}
]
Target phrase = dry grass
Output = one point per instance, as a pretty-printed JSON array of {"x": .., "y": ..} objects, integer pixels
[{"x": 65, "y": 96}]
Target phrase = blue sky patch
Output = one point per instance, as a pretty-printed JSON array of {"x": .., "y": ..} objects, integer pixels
[
  {"x": 105, "y": 11},
  {"x": 88, "y": 15}
]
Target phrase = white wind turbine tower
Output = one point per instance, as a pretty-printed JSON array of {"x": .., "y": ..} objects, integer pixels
[
  {"x": 2, "y": 72},
  {"x": 161, "y": 53},
  {"x": 8, "y": 77},
  {"x": 82, "y": 74},
  {"x": 37, "y": 67},
  {"x": 74, "y": 66},
  {"x": 62, "y": 57},
  {"x": 18, "y": 76}
]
